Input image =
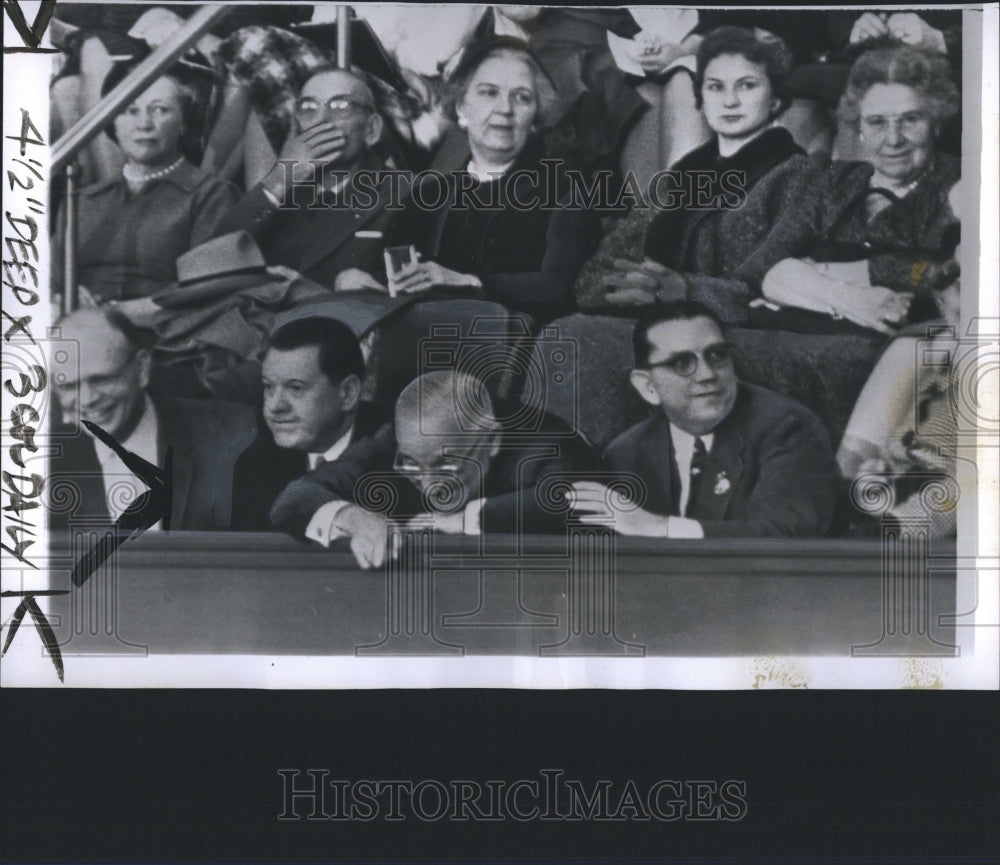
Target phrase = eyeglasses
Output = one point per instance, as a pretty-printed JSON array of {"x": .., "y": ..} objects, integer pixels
[
  {"x": 879, "y": 124},
  {"x": 448, "y": 464},
  {"x": 338, "y": 106},
  {"x": 684, "y": 363}
]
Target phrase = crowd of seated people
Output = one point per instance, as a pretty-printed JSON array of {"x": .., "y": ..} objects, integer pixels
[{"x": 742, "y": 234}]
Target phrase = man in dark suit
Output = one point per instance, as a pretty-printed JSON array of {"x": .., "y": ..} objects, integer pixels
[
  {"x": 451, "y": 460},
  {"x": 720, "y": 458},
  {"x": 102, "y": 377},
  {"x": 311, "y": 377},
  {"x": 321, "y": 209}
]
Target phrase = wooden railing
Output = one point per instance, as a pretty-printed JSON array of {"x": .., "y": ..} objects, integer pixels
[{"x": 585, "y": 594}]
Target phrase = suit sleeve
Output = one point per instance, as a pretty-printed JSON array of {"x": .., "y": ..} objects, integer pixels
[
  {"x": 296, "y": 504},
  {"x": 254, "y": 212},
  {"x": 531, "y": 508},
  {"x": 794, "y": 492},
  {"x": 791, "y": 217}
]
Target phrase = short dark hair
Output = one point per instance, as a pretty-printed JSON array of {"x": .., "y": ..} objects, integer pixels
[
  {"x": 194, "y": 90},
  {"x": 673, "y": 310},
  {"x": 757, "y": 46},
  {"x": 339, "y": 351}
]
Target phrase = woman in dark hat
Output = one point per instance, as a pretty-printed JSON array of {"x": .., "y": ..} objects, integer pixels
[
  {"x": 503, "y": 240},
  {"x": 134, "y": 226}
]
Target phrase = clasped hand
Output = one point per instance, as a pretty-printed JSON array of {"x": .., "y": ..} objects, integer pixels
[
  {"x": 426, "y": 275},
  {"x": 640, "y": 284},
  {"x": 593, "y": 504},
  {"x": 876, "y": 307},
  {"x": 907, "y": 27},
  {"x": 374, "y": 537},
  {"x": 652, "y": 54}
]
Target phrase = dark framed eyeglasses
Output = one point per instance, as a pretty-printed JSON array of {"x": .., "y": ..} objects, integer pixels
[
  {"x": 338, "y": 106},
  {"x": 684, "y": 363}
]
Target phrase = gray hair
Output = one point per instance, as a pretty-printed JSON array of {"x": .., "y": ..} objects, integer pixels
[
  {"x": 926, "y": 73},
  {"x": 448, "y": 401},
  {"x": 453, "y": 90}
]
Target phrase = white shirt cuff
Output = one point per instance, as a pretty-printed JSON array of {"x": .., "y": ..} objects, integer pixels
[
  {"x": 321, "y": 528},
  {"x": 270, "y": 196},
  {"x": 472, "y": 512},
  {"x": 682, "y": 527}
]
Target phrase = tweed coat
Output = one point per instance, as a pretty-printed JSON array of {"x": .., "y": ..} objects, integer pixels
[{"x": 725, "y": 251}]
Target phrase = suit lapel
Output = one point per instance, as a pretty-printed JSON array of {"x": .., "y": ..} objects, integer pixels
[
  {"x": 333, "y": 227},
  {"x": 660, "y": 474},
  {"x": 171, "y": 432},
  {"x": 82, "y": 469}
]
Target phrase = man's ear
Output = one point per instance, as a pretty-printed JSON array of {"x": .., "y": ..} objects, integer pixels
[
  {"x": 143, "y": 364},
  {"x": 643, "y": 384},
  {"x": 350, "y": 392},
  {"x": 374, "y": 131}
]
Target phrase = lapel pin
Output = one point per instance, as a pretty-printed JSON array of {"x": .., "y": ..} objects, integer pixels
[{"x": 721, "y": 484}]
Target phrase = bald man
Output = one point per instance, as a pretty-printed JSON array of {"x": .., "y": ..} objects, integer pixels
[
  {"x": 333, "y": 233},
  {"x": 102, "y": 376},
  {"x": 449, "y": 457}
]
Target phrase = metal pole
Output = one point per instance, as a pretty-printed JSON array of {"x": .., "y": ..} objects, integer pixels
[
  {"x": 91, "y": 124},
  {"x": 344, "y": 37},
  {"x": 71, "y": 293}
]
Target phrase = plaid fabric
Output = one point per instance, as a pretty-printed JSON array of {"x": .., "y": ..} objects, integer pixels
[{"x": 273, "y": 64}]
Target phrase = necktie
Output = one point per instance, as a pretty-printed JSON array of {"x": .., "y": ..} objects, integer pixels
[{"x": 697, "y": 467}]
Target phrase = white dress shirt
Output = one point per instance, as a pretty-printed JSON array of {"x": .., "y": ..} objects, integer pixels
[
  {"x": 333, "y": 452},
  {"x": 321, "y": 528},
  {"x": 681, "y": 526},
  {"x": 121, "y": 486}
]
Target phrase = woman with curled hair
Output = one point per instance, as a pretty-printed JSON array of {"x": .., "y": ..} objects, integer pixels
[
  {"x": 735, "y": 209},
  {"x": 882, "y": 249},
  {"x": 134, "y": 226},
  {"x": 493, "y": 234}
]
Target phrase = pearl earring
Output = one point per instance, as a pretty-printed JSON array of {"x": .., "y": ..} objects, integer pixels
[{"x": 463, "y": 123}]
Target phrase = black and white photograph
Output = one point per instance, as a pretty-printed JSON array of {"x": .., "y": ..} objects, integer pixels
[{"x": 362, "y": 349}]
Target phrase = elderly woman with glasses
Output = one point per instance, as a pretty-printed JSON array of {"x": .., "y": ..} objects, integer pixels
[
  {"x": 884, "y": 231},
  {"x": 496, "y": 232}
]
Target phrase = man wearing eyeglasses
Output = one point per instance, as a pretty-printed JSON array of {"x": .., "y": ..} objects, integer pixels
[
  {"x": 100, "y": 370},
  {"x": 447, "y": 461},
  {"x": 720, "y": 458},
  {"x": 321, "y": 208}
]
